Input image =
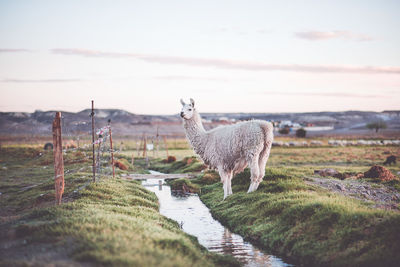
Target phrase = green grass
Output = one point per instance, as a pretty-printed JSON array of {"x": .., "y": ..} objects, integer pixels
[
  {"x": 337, "y": 157},
  {"x": 112, "y": 223},
  {"x": 186, "y": 165},
  {"x": 108, "y": 223},
  {"x": 117, "y": 223},
  {"x": 27, "y": 176},
  {"x": 305, "y": 224}
]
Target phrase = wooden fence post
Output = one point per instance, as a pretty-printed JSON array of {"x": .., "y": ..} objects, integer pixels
[
  {"x": 166, "y": 146},
  {"x": 111, "y": 148},
  {"x": 98, "y": 161},
  {"x": 157, "y": 141},
  {"x": 140, "y": 145},
  {"x": 154, "y": 150},
  {"x": 94, "y": 157},
  {"x": 145, "y": 146},
  {"x": 58, "y": 158}
]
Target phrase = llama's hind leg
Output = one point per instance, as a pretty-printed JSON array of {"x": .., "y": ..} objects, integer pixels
[
  {"x": 262, "y": 162},
  {"x": 255, "y": 173}
]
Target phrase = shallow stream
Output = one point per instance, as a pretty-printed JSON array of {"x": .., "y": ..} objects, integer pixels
[{"x": 195, "y": 219}]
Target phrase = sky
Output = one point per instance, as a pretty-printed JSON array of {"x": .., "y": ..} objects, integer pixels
[{"x": 228, "y": 55}]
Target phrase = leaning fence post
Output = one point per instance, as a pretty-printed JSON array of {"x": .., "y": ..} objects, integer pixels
[
  {"x": 58, "y": 158},
  {"x": 94, "y": 159},
  {"x": 111, "y": 148},
  {"x": 140, "y": 145}
]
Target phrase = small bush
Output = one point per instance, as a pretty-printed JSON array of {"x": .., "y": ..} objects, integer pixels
[
  {"x": 170, "y": 159},
  {"x": 376, "y": 125},
  {"x": 285, "y": 130},
  {"x": 119, "y": 164},
  {"x": 301, "y": 132}
]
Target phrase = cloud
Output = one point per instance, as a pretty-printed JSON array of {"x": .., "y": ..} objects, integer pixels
[
  {"x": 328, "y": 94},
  {"x": 11, "y": 50},
  {"x": 241, "y": 31},
  {"x": 40, "y": 80},
  {"x": 181, "y": 77},
  {"x": 231, "y": 64},
  {"x": 318, "y": 36}
]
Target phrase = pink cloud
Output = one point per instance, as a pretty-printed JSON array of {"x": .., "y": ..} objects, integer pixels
[
  {"x": 318, "y": 35},
  {"x": 327, "y": 94},
  {"x": 232, "y": 64},
  {"x": 182, "y": 77},
  {"x": 40, "y": 80},
  {"x": 13, "y": 50}
]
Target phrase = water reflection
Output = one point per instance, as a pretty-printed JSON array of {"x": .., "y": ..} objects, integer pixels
[{"x": 195, "y": 219}]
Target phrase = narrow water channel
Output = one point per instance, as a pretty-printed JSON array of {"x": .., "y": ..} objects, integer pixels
[{"x": 195, "y": 219}]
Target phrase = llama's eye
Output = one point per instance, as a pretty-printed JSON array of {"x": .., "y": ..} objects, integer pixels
[{"x": 190, "y": 109}]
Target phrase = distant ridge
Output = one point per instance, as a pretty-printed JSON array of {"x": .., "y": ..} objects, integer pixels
[{"x": 126, "y": 123}]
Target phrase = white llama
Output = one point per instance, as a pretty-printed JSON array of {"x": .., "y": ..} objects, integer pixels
[{"x": 229, "y": 149}]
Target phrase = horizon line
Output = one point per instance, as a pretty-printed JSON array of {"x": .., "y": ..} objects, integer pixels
[{"x": 206, "y": 112}]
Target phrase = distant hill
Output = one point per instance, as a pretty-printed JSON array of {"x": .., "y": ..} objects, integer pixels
[{"x": 126, "y": 123}]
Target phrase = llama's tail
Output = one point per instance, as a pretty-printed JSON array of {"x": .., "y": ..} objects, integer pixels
[{"x": 268, "y": 131}]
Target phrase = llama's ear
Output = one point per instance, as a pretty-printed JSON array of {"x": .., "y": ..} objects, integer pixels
[
  {"x": 182, "y": 102},
  {"x": 192, "y": 102}
]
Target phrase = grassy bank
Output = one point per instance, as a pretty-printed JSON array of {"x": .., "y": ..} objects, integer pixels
[
  {"x": 303, "y": 223},
  {"x": 306, "y": 224},
  {"x": 111, "y": 222}
]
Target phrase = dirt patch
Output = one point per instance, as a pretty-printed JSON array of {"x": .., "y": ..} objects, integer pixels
[
  {"x": 379, "y": 172},
  {"x": 334, "y": 173},
  {"x": 21, "y": 252},
  {"x": 376, "y": 172},
  {"x": 382, "y": 196}
]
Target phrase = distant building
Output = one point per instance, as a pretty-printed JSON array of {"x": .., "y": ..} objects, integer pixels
[{"x": 392, "y": 112}]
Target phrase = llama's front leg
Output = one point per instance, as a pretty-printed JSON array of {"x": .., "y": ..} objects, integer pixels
[
  {"x": 229, "y": 178},
  {"x": 224, "y": 180},
  {"x": 255, "y": 173}
]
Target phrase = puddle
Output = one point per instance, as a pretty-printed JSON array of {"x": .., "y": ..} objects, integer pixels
[{"x": 195, "y": 219}]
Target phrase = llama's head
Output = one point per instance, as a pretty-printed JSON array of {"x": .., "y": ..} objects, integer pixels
[{"x": 187, "y": 109}]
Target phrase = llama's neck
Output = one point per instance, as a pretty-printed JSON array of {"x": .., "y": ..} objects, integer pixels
[{"x": 195, "y": 132}]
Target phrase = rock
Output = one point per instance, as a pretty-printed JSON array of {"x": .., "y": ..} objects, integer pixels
[
  {"x": 340, "y": 187},
  {"x": 185, "y": 188},
  {"x": 389, "y": 160}
]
